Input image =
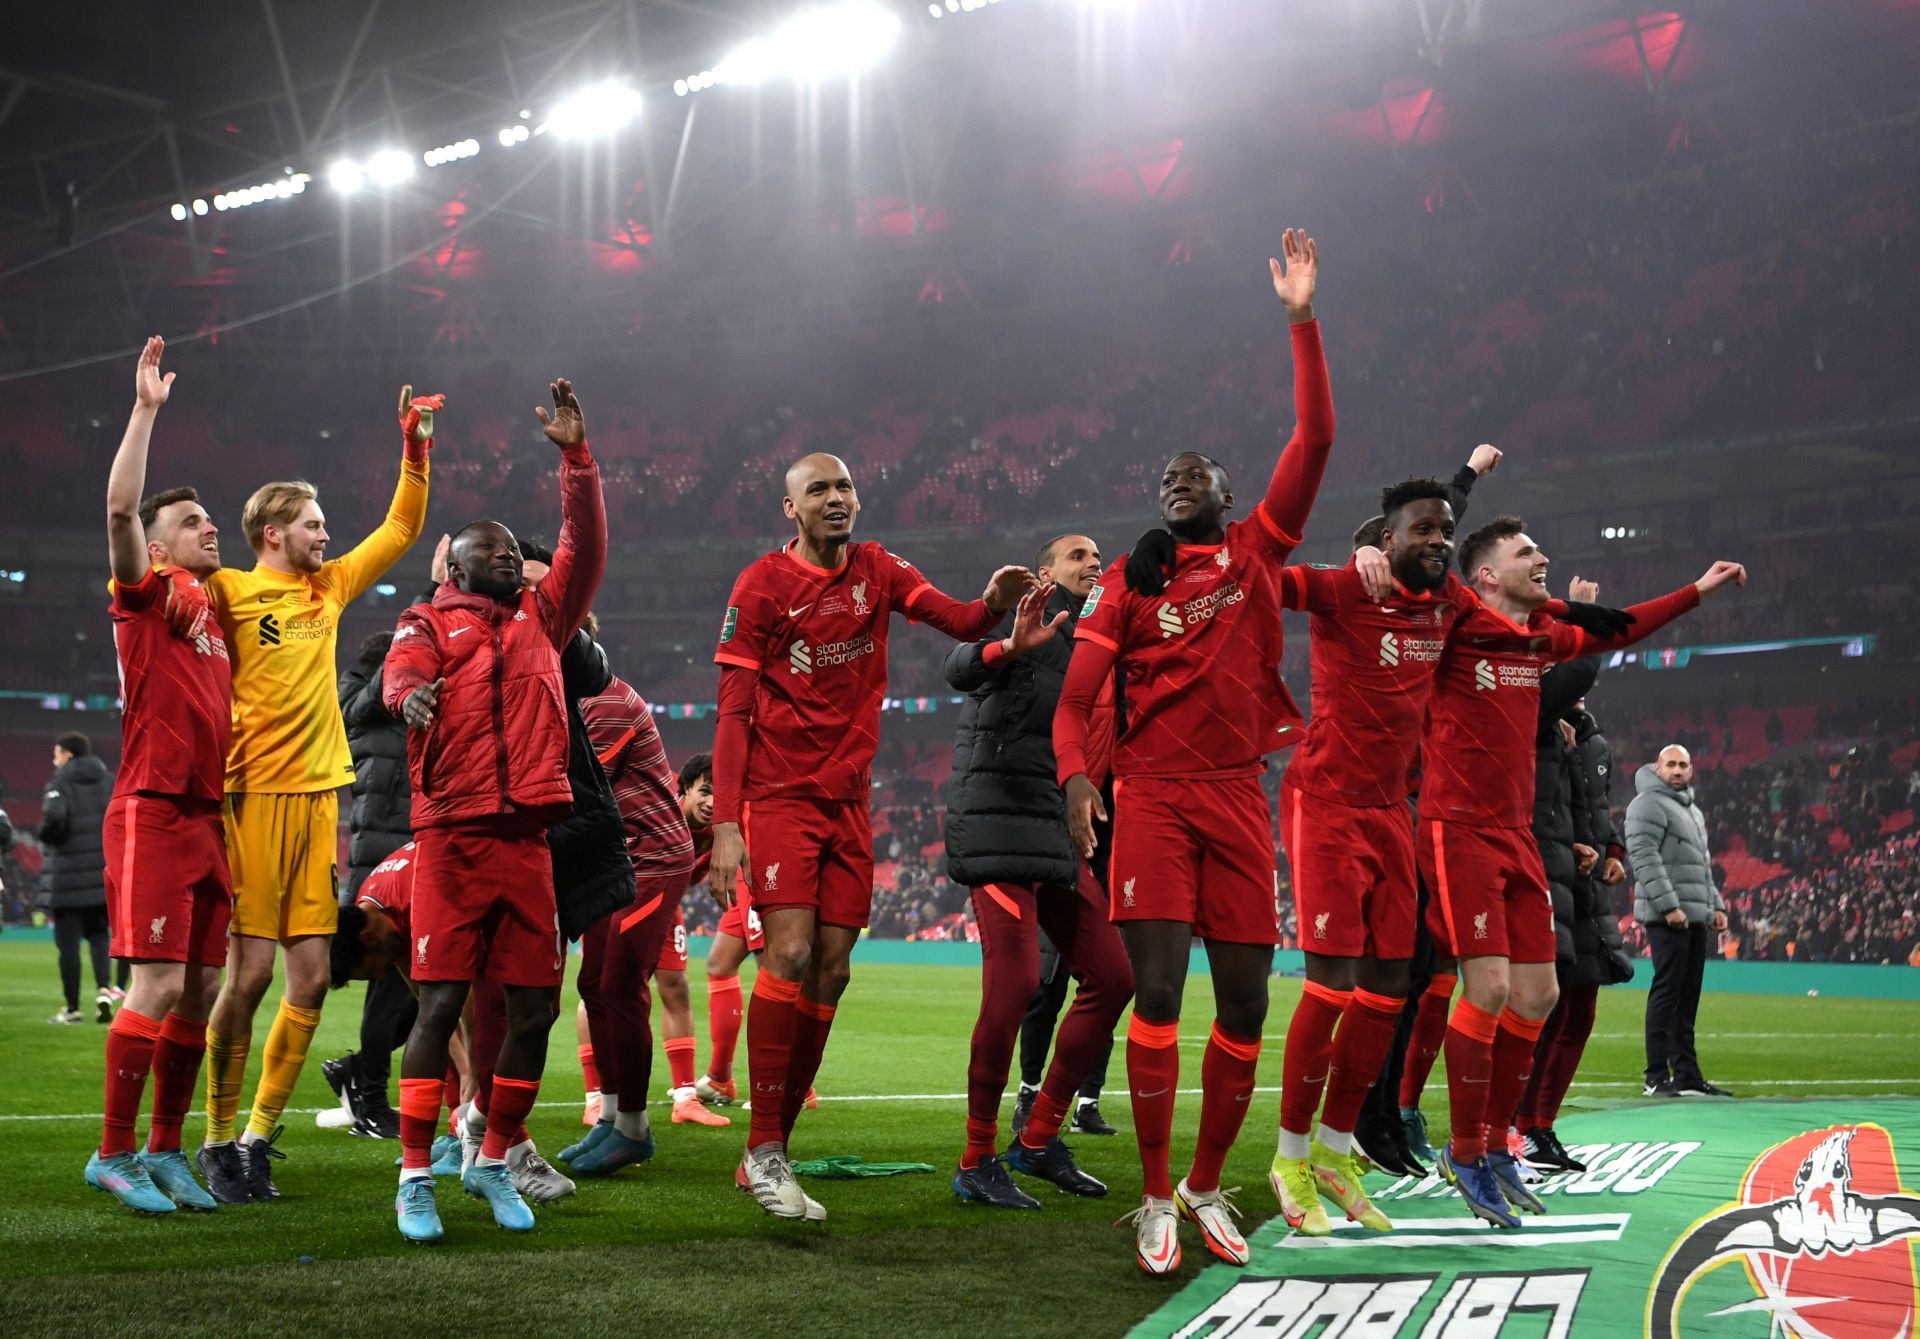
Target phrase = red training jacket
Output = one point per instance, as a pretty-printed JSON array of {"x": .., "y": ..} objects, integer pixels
[{"x": 498, "y": 743}]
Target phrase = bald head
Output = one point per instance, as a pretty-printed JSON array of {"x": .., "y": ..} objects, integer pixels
[
  {"x": 1675, "y": 767},
  {"x": 821, "y": 501}
]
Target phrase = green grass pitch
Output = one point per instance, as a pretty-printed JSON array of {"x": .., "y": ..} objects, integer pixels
[{"x": 672, "y": 1247}]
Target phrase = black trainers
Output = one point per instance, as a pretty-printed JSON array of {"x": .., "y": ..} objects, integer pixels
[
  {"x": 258, "y": 1157},
  {"x": 1383, "y": 1151},
  {"x": 1547, "y": 1153},
  {"x": 380, "y": 1122},
  {"x": 1660, "y": 1088},
  {"x": 224, "y": 1171},
  {"x": 1023, "y": 1108},
  {"x": 989, "y": 1184},
  {"x": 1054, "y": 1163},
  {"x": 1088, "y": 1120},
  {"x": 345, "y": 1082},
  {"x": 1698, "y": 1087}
]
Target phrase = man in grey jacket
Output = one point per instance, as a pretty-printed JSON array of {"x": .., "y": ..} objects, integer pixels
[{"x": 1675, "y": 898}]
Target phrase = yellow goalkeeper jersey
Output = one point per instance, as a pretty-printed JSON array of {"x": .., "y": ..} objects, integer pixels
[{"x": 281, "y": 631}]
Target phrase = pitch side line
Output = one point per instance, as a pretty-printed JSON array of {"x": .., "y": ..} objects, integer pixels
[{"x": 831, "y": 1098}]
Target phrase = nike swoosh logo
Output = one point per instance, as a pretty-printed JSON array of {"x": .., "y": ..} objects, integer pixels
[
  {"x": 1157, "y": 1092},
  {"x": 1465, "y": 1079},
  {"x": 456, "y": 632},
  {"x": 1244, "y": 1097},
  {"x": 795, "y": 613},
  {"x": 1165, "y": 1252}
]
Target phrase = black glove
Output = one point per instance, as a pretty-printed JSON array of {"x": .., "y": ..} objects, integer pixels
[
  {"x": 1147, "y": 565},
  {"x": 1597, "y": 619}
]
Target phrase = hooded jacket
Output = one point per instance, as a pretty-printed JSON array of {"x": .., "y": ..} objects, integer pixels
[
  {"x": 72, "y": 814},
  {"x": 1667, "y": 847},
  {"x": 1596, "y": 930},
  {"x": 498, "y": 742}
]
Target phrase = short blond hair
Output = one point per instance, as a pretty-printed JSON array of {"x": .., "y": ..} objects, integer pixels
[{"x": 274, "y": 504}]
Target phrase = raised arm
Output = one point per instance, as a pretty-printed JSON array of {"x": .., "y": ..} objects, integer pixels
[
  {"x": 126, "y": 537},
  {"x": 1296, "y": 479},
  {"x": 1644, "y": 619},
  {"x": 1485, "y": 458},
  {"x": 580, "y": 554},
  {"x": 369, "y": 560}
]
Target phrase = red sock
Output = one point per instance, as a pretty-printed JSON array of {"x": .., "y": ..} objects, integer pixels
[
  {"x": 1512, "y": 1064},
  {"x": 983, "y": 1141},
  {"x": 1308, "y": 1055},
  {"x": 1359, "y": 1050},
  {"x": 1048, "y": 1115},
  {"x": 1226, "y": 1091},
  {"x": 811, "y": 1025},
  {"x": 130, "y": 1043},
  {"x": 771, "y": 1019},
  {"x": 1527, "y": 1115},
  {"x": 450, "y": 1092},
  {"x": 507, "y": 1113},
  {"x": 419, "y": 1121},
  {"x": 1470, "y": 1034},
  {"x": 723, "y": 1023},
  {"x": 489, "y": 1000},
  {"x": 177, "y": 1054},
  {"x": 1429, "y": 1030},
  {"x": 1153, "y": 1071},
  {"x": 589, "y": 1071},
  {"x": 680, "y": 1061}
]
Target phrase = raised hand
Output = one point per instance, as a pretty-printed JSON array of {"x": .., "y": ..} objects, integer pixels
[
  {"x": 1294, "y": 281},
  {"x": 438, "y": 572},
  {"x": 1485, "y": 458},
  {"x": 416, "y": 418},
  {"x": 566, "y": 426},
  {"x": 150, "y": 389},
  {"x": 1583, "y": 590},
  {"x": 1005, "y": 587},
  {"x": 1031, "y": 627},
  {"x": 418, "y": 708},
  {"x": 1376, "y": 573},
  {"x": 1717, "y": 578}
]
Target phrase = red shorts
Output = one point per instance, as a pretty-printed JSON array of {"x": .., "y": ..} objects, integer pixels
[
  {"x": 169, "y": 896},
  {"x": 1353, "y": 875},
  {"x": 1198, "y": 851},
  {"x": 816, "y": 854},
  {"x": 742, "y": 922},
  {"x": 483, "y": 904},
  {"x": 673, "y": 952},
  {"x": 1489, "y": 892}
]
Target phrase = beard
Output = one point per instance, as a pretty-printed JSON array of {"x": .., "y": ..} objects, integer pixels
[
  {"x": 1410, "y": 571},
  {"x": 494, "y": 586}
]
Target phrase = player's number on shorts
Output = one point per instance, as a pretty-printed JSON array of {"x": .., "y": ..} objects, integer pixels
[{"x": 680, "y": 941}]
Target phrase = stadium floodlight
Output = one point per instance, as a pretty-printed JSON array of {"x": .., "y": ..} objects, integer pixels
[
  {"x": 346, "y": 176},
  {"x": 451, "y": 153},
  {"x": 281, "y": 188},
  {"x": 200, "y": 208},
  {"x": 599, "y": 109},
  {"x": 390, "y": 167},
  {"x": 811, "y": 47},
  {"x": 512, "y": 135},
  {"x": 179, "y": 212}
]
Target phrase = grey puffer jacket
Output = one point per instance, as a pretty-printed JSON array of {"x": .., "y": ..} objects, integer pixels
[{"x": 1667, "y": 850}]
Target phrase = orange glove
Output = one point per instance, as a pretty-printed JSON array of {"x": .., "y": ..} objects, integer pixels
[{"x": 416, "y": 421}]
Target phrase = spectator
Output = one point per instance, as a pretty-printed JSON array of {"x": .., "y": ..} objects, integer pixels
[
  {"x": 1675, "y": 898},
  {"x": 72, "y": 813}
]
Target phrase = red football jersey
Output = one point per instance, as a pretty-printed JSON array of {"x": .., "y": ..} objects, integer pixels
[
  {"x": 1373, "y": 671},
  {"x": 1200, "y": 662},
  {"x": 817, "y": 642},
  {"x": 390, "y": 887},
  {"x": 176, "y": 686},
  {"x": 630, "y": 749},
  {"x": 1479, "y": 754}
]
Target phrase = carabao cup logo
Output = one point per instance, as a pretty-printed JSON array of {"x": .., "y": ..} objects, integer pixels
[{"x": 1825, "y": 1231}]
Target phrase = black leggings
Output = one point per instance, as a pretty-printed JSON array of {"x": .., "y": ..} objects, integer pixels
[{"x": 71, "y": 925}]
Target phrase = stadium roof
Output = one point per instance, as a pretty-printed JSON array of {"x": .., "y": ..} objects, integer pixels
[{"x": 1025, "y": 147}]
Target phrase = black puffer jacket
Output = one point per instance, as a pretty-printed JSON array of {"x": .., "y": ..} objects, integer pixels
[
  {"x": 1553, "y": 810},
  {"x": 1006, "y": 817},
  {"x": 380, "y": 820},
  {"x": 71, "y": 815},
  {"x": 592, "y": 875},
  {"x": 1596, "y": 930}
]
